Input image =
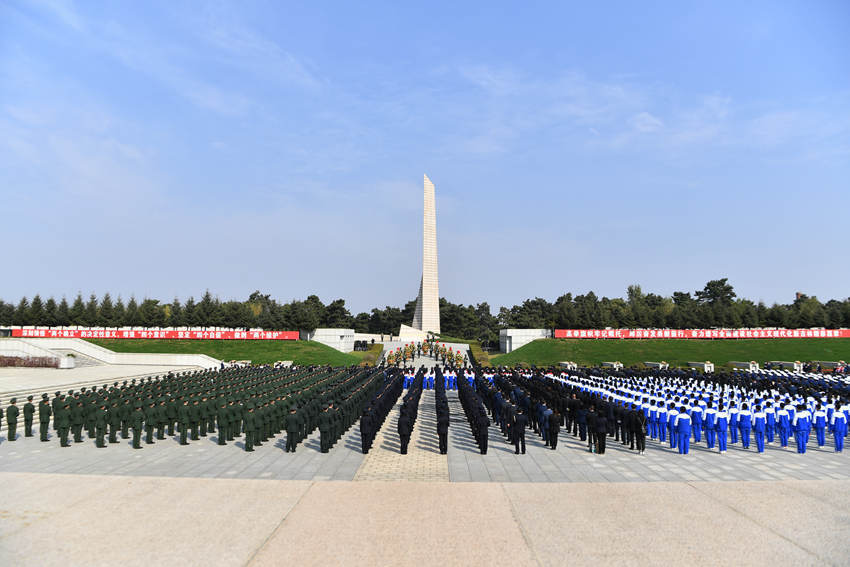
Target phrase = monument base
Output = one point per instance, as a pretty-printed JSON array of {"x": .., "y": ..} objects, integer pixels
[{"x": 407, "y": 333}]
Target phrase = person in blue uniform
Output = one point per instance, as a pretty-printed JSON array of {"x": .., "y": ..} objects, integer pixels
[
  {"x": 839, "y": 427},
  {"x": 770, "y": 422},
  {"x": 759, "y": 426},
  {"x": 783, "y": 423},
  {"x": 721, "y": 424},
  {"x": 733, "y": 422},
  {"x": 672, "y": 414},
  {"x": 662, "y": 422},
  {"x": 710, "y": 420},
  {"x": 696, "y": 412},
  {"x": 819, "y": 423},
  {"x": 745, "y": 425},
  {"x": 683, "y": 430},
  {"x": 802, "y": 426}
]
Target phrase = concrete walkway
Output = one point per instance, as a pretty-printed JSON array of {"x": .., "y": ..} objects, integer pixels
[
  {"x": 423, "y": 460},
  {"x": 63, "y": 520}
]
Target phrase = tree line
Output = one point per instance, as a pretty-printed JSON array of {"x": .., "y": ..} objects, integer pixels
[{"x": 716, "y": 305}]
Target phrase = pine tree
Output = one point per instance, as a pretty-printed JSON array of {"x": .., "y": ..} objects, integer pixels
[
  {"x": 37, "y": 315},
  {"x": 106, "y": 313},
  {"x": 175, "y": 314},
  {"x": 78, "y": 311},
  {"x": 50, "y": 313},
  {"x": 131, "y": 317},
  {"x": 63, "y": 313},
  {"x": 22, "y": 312},
  {"x": 91, "y": 314},
  {"x": 119, "y": 313}
]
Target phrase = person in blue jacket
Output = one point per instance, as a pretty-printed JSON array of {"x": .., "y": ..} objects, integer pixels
[
  {"x": 733, "y": 423},
  {"x": 839, "y": 427},
  {"x": 683, "y": 430},
  {"x": 802, "y": 426},
  {"x": 770, "y": 422},
  {"x": 783, "y": 422},
  {"x": 709, "y": 423},
  {"x": 759, "y": 427},
  {"x": 672, "y": 414},
  {"x": 696, "y": 421},
  {"x": 721, "y": 424},
  {"x": 745, "y": 424},
  {"x": 819, "y": 423},
  {"x": 662, "y": 422}
]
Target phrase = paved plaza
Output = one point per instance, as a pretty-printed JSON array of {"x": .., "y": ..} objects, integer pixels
[{"x": 205, "y": 504}]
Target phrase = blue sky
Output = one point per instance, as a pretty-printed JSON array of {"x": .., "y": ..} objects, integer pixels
[{"x": 163, "y": 148}]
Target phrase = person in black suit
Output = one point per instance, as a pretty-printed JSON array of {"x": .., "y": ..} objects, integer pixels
[
  {"x": 554, "y": 429},
  {"x": 591, "y": 428},
  {"x": 581, "y": 421},
  {"x": 443, "y": 430},
  {"x": 518, "y": 430},
  {"x": 601, "y": 427},
  {"x": 404, "y": 430}
]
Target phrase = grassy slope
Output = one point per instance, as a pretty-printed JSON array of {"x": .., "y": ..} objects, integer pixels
[
  {"x": 474, "y": 345},
  {"x": 368, "y": 356},
  {"x": 676, "y": 352},
  {"x": 258, "y": 352}
]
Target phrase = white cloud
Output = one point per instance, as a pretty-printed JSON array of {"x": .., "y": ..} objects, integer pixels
[{"x": 646, "y": 122}]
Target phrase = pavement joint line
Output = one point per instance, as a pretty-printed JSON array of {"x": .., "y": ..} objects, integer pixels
[
  {"x": 520, "y": 526},
  {"x": 278, "y": 526},
  {"x": 742, "y": 513}
]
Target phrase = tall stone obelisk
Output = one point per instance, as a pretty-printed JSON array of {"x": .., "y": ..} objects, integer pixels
[{"x": 427, "y": 316}]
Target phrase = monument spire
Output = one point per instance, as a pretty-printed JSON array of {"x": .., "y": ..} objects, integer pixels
[{"x": 427, "y": 315}]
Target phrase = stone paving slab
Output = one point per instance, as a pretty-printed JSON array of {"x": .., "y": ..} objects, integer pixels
[
  {"x": 49, "y": 519},
  {"x": 423, "y": 460}
]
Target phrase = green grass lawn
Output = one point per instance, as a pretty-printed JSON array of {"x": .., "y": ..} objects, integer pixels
[
  {"x": 368, "y": 356},
  {"x": 543, "y": 352},
  {"x": 258, "y": 352},
  {"x": 474, "y": 345}
]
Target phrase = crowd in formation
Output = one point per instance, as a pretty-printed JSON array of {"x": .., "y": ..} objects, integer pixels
[
  {"x": 257, "y": 402},
  {"x": 669, "y": 406},
  {"x": 672, "y": 408}
]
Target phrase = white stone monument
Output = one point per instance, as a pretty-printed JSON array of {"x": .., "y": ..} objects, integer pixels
[{"x": 427, "y": 316}]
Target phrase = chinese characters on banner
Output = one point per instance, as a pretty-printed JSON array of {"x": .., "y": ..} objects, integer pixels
[
  {"x": 154, "y": 334},
  {"x": 700, "y": 333}
]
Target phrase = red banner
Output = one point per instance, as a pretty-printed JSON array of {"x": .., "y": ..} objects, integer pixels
[
  {"x": 155, "y": 334},
  {"x": 701, "y": 333}
]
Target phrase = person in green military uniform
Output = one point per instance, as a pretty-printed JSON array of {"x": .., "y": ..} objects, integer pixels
[
  {"x": 44, "y": 413},
  {"x": 56, "y": 405},
  {"x": 222, "y": 417},
  {"x": 183, "y": 421},
  {"x": 250, "y": 428},
  {"x": 62, "y": 421},
  {"x": 325, "y": 424},
  {"x": 136, "y": 420},
  {"x": 100, "y": 419},
  {"x": 29, "y": 412},
  {"x": 77, "y": 420},
  {"x": 195, "y": 419},
  {"x": 150, "y": 420},
  {"x": 114, "y": 418},
  {"x": 12, "y": 413},
  {"x": 126, "y": 412},
  {"x": 171, "y": 407},
  {"x": 292, "y": 432},
  {"x": 161, "y": 417},
  {"x": 203, "y": 408}
]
